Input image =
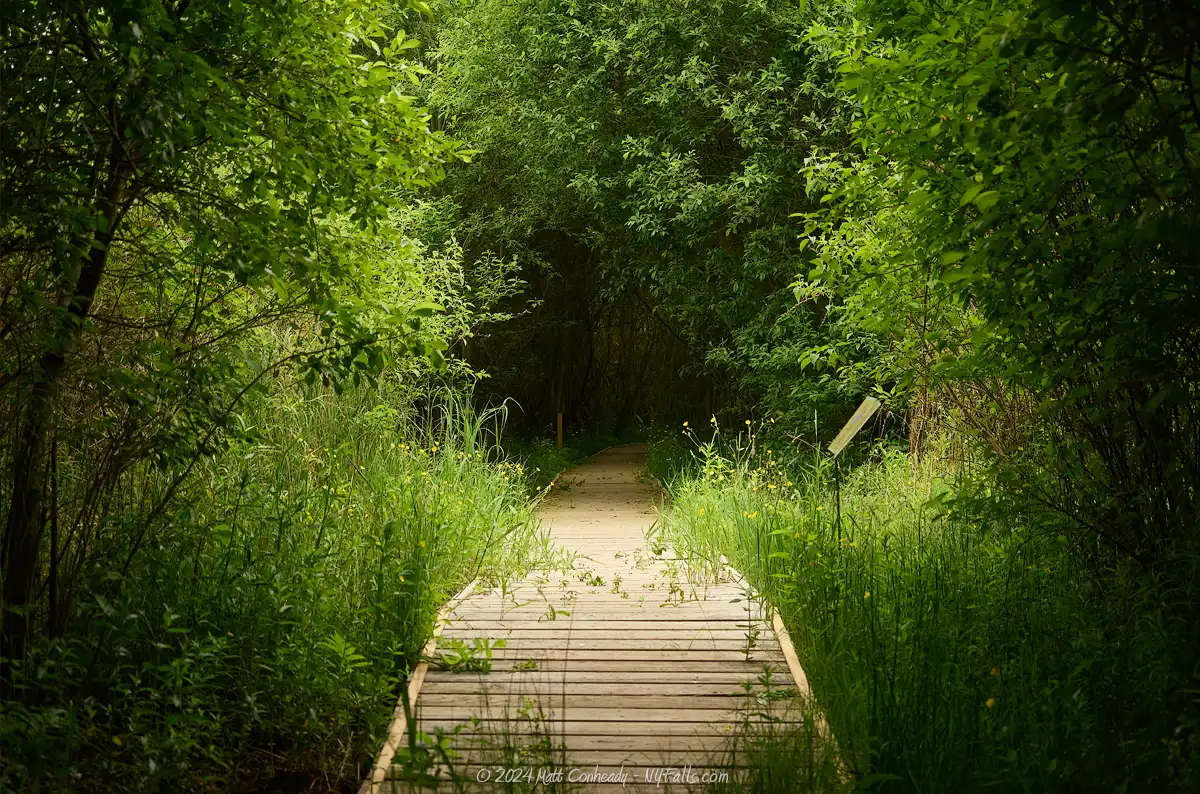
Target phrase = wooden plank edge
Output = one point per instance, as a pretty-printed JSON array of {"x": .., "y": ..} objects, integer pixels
[
  {"x": 789, "y": 656},
  {"x": 399, "y": 726},
  {"x": 802, "y": 686},
  {"x": 799, "y": 677}
]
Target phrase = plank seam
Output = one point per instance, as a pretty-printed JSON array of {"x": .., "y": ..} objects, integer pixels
[{"x": 399, "y": 725}]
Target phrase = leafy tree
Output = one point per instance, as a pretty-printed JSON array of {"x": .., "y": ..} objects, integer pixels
[
  {"x": 176, "y": 174},
  {"x": 656, "y": 150},
  {"x": 1044, "y": 158}
]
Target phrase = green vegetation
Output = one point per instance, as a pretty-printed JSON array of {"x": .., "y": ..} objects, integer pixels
[
  {"x": 459, "y": 656},
  {"x": 240, "y": 474},
  {"x": 276, "y": 274},
  {"x": 274, "y": 614},
  {"x": 947, "y": 651},
  {"x": 643, "y": 159}
]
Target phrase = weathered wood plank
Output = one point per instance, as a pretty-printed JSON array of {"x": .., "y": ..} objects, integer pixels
[
  {"x": 758, "y": 655},
  {"x": 586, "y": 728},
  {"x": 717, "y": 700},
  {"x": 614, "y": 689},
  {"x": 622, "y": 592},
  {"x": 592, "y": 735},
  {"x": 626, "y": 641},
  {"x": 472, "y": 759},
  {"x": 540, "y": 614},
  {"x": 720, "y": 674},
  {"x": 554, "y": 721},
  {"x": 619, "y": 606},
  {"x": 672, "y": 666},
  {"x": 588, "y": 622},
  {"x": 565, "y": 633},
  {"x": 637, "y": 769},
  {"x": 691, "y": 742},
  {"x": 459, "y": 787},
  {"x": 636, "y": 657}
]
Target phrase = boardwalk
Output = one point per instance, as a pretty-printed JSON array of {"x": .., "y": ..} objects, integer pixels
[{"x": 620, "y": 667}]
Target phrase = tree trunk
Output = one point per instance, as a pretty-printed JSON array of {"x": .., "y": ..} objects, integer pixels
[
  {"x": 23, "y": 530},
  {"x": 919, "y": 416},
  {"x": 22, "y": 542}
]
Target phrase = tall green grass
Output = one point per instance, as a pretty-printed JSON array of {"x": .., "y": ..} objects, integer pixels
[
  {"x": 953, "y": 650},
  {"x": 256, "y": 640}
]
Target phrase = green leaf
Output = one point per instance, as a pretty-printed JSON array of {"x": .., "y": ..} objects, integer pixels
[
  {"x": 426, "y": 308},
  {"x": 985, "y": 201}
]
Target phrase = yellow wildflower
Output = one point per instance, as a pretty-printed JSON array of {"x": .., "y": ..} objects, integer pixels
[{"x": 990, "y": 703}]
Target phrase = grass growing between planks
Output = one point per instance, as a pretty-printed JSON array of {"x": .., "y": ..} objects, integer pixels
[
  {"x": 950, "y": 652},
  {"x": 257, "y": 640}
]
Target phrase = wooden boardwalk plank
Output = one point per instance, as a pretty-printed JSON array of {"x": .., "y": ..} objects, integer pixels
[
  {"x": 721, "y": 675},
  {"x": 587, "y": 730},
  {"x": 758, "y": 656},
  {"x": 485, "y": 702},
  {"x": 672, "y": 666},
  {"x": 633, "y": 658},
  {"x": 635, "y": 712}
]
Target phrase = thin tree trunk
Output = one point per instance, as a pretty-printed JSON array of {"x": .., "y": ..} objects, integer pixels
[{"x": 23, "y": 528}]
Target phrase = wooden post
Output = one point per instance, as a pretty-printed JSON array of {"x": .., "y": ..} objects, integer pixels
[{"x": 560, "y": 429}]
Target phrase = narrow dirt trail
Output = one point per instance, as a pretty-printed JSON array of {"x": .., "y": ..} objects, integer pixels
[{"x": 620, "y": 667}]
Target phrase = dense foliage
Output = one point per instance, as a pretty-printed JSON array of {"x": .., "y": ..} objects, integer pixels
[
  {"x": 222, "y": 549},
  {"x": 1045, "y": 157},
  {"x": 651, "y": 154},
  {"x": 255, "y": 299},
  {"x": 177, "y": 177},
  {"x": 983, "y": 214},
  {"x": 947, "y": 652}
]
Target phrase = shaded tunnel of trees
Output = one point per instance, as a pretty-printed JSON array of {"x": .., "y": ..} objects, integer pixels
[{"x": 606, "y": 361}]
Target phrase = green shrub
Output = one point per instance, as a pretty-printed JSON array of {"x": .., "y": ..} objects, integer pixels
[
  {"x": 949, "y": 650},
  {"x": 259, "y": 635}
]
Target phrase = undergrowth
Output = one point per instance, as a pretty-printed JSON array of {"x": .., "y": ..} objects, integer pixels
[
  {"x": 957, "y": 649},
  {"x": 257, "y": 639}
]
